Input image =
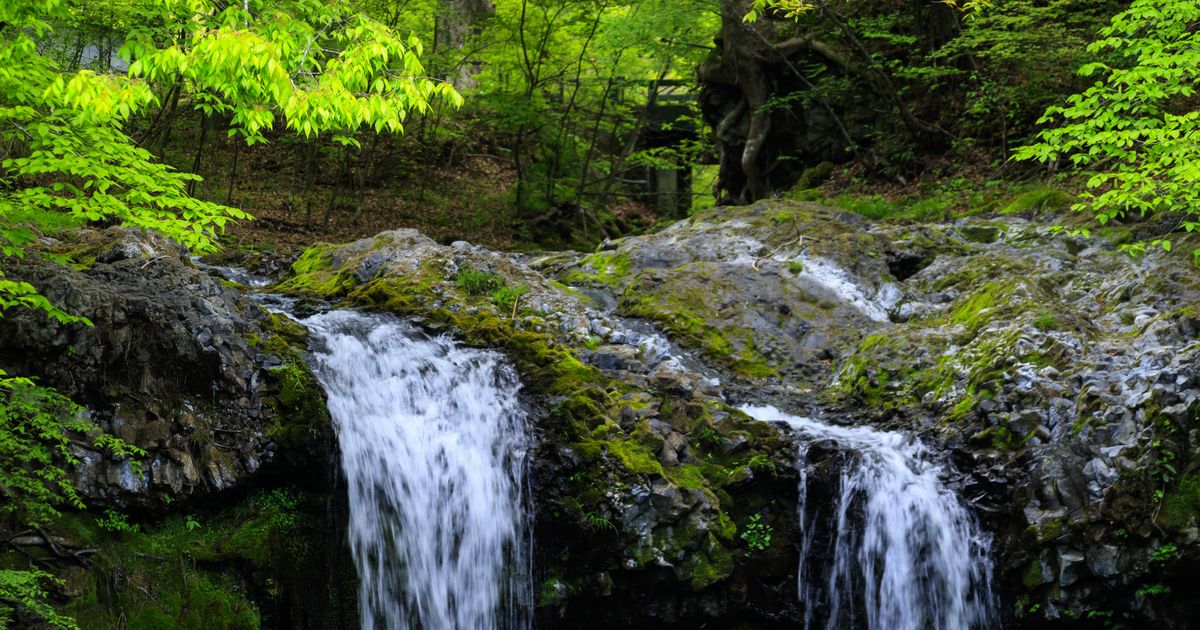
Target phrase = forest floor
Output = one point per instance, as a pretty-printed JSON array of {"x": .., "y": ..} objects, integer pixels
[{"x": 463, "y": 190}]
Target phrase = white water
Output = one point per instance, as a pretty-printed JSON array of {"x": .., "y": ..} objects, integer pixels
[
  {"x": 433, "y": 446},
  {"x": 847, "y": 289},
  {"x": 905, "y": 554}
]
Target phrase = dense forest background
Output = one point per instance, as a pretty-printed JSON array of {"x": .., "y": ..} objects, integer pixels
[{"x": 574, "y": 110}]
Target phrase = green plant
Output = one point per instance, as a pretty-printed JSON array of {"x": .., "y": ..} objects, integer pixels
[
  {"x": 707, "y": 435},
  {"x": 1164, "y": 552},
  {"x": 1131, "y": 130},
  {"x": 509, "y": 296},
  {"x": 796, "y": 266},
  {"x": 477, "y": 283},
  {"x": 115, "y": 521},
  {"x": 1045, "y": 321},
  {"x": 190, "y": 522},
  {"x": 37, "y": 425},
  {"x": 24, "y": 591},
  {"x": 1150, "y": 590},
  {"x": 597, "y": 521},
  {"x": 762, "y": 463},
  {"x": 757, "y": 534}
]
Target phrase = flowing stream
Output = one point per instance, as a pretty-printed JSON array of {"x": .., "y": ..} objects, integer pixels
[
  {"x": 433, "y": 446},
  {"x": 894, "y": 549}
]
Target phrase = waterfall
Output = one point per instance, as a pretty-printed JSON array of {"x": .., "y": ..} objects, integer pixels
[
  {"x": 433, "y": 446},
  {"x": 894, "y": 549}
]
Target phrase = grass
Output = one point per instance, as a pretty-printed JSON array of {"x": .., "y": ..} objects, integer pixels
[
  {"x": 40, "y": 221},
  {"x": 477, "y": 283},
  {"x": 944, "y": 199}
]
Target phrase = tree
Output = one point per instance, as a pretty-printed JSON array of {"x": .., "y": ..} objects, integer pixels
[
  {"x": 458, "y": 21},
  {"x": 1134, "y": 131},
  {"x": 67, "y": 153}
]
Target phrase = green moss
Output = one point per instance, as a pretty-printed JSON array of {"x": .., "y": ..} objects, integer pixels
[
  {"x": 1032, "y": 576},
  {"x": 601, "y": 268},
  {"x": 635, "y": 457},
  {"x": 972, "y": 312},
  {"x": 726, "y": 529},
  {"x": 1045, "y": 321},
  {"x": 1041, "y": 199},
  {"x": 688, "y": 476},
  {"x": 197, "y": 570},
  {"x": 314, "y": 259},
  {"x": 710, "y": 566},
  {"x": 299, "y": 402},
  {"x": 1181, "y": 505},
  {"x": 677, "y": 313},
  {"x": 477, "y": 283},
  {"x": 981, "y": 232},
  {"x": 315, "y": 275}
]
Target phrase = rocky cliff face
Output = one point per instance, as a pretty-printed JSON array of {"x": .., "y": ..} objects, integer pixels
[
  {"x": 173, "y": 363},
  {"x": 180, "y": 364},
  {"x": 1056, "y": 376}
]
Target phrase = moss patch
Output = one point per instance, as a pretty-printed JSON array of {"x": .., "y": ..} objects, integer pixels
[
  {"x": 206, "y": 570},
  {"x": 1181, "y": 505},
  {"x": 682, "y": 312},
  {"x": 601, "y": 269}
]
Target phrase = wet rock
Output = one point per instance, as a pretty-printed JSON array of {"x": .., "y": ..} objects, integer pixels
[{"x": 167, "y": 366}]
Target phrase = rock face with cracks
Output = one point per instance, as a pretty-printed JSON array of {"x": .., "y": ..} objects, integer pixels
[{"x": 176, "y": 362}]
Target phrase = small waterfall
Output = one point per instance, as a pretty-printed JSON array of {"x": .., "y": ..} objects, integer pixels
[
  {"x": 433, "y": 445},
  {"x": 895, "y": 549}
]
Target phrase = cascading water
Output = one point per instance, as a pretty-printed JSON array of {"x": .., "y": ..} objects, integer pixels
[
  {"x": 433, "y": 445},
  {"x": 901, "y": 552}
]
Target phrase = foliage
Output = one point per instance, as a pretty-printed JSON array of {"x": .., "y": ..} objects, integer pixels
[
  {"x": 950, "y": 79},
  {"x": 1164, "y": 553},
  {"x": 757, "y": 534},
  {"x": 36, "y": 427},
  {"x": 66, "y": 134},
  {"x": 115, "y": 521},
  {"x": 1133, "y": 131},
  {"x": 474, "y": 282},
  {"x": 23, "y": 592},
  {"x": 323, "y": 67},
  {"x": 598, "y": 522},
  {"x": 507, "y": 297}
]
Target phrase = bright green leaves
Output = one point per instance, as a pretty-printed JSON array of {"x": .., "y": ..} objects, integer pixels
[
  {"x": 36, "y": 427},
  {"x": 1130, "y": 131},
  {"x": 98, "y": 99},
  {"x": 791, "y": 9},
  {"x": 324, "y": 69},
  {"x": 26, "y": 591},
  {"x": 319, "y": 67},
  {"x": 23, "y": 294}
]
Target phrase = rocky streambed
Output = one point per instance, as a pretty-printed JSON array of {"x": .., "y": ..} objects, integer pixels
[{"x": 1052, "y": 380}]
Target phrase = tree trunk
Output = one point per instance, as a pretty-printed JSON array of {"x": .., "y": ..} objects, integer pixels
[{"x": 456, "y": 23}]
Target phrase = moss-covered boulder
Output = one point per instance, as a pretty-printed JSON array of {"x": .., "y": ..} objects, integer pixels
[
  {"x": 771, "y": 292},
  {"x": 643, "y": 474},
  {"x": 1062, "y": 374}
]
